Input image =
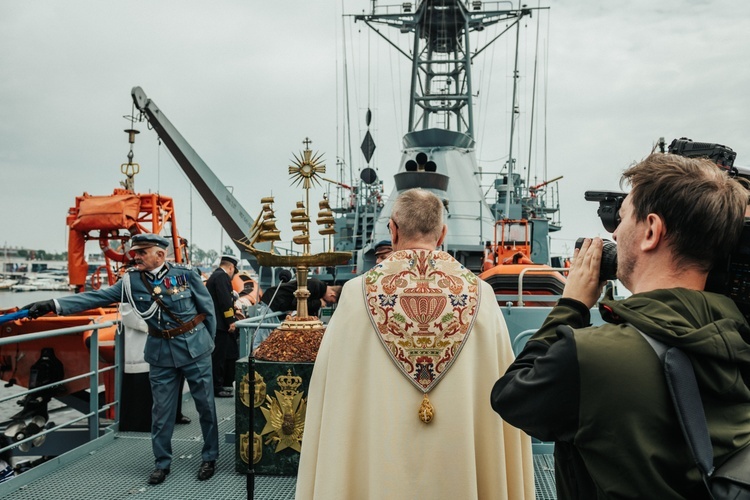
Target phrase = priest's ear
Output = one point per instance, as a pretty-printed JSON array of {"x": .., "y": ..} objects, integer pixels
[{"x": 442, "y": 235}]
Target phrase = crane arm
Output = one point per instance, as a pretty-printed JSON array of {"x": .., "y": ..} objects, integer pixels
[{"x": 231, "y": 215}]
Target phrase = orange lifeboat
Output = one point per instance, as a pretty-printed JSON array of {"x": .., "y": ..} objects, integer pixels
[
  {"x": 111, "y": 220},
  {"x": 506, "y": 260}
]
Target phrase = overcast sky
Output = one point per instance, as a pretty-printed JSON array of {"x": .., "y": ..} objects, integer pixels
[{"x": 246, "y": 82}]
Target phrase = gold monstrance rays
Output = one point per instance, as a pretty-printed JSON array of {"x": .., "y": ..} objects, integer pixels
[
  {"x": 305, "y": 170},
  {"x": 307, "y": 167}
]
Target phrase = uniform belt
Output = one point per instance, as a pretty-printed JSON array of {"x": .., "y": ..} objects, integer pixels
[{"x": 174, "y": 332}]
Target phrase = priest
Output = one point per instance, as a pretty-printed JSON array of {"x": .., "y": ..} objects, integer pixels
[{"x": 398, "y": 403}]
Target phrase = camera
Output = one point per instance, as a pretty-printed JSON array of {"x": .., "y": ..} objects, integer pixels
[
  {"x": 609, "y": 213},
  {"x": 730, "y": 277},
  {"x": 722, "y": 155},
  {"x": 608, "y": 267},
  {"x": 609, "y": 207}
]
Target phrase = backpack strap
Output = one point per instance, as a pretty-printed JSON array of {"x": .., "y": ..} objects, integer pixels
[{"x": 683, "y": 388}]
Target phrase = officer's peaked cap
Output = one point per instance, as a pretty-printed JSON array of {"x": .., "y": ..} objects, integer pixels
[
  {"x": 231, "y": 259},
  {"x": 147, "y": 240},
  {"x": 383, "y": 246}
]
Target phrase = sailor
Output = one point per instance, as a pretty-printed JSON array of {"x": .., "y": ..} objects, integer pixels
[
  {"x": 284, "y": 300},
  {"x": 227, "y": 350},
  {"x": 179, "y": 312},
  {"x": 383, "y": 250},
  {"x": 248, "y": 296}
]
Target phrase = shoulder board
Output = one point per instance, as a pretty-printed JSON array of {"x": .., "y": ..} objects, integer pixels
[{"x": 183, "y": 266}]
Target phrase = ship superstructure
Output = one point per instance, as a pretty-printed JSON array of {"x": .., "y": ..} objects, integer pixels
[{"x": 439, "y": 147}]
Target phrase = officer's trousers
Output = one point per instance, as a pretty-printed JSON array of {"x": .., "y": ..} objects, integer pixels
[{"x": 165, "y": 388}]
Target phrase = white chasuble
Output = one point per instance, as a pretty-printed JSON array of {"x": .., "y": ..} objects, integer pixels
[{"x": 417, "y": 324}]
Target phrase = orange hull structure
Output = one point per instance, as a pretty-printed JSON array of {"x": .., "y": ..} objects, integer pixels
[
  {"x": 507, "y": 259},
  {"x": 542, "y": 281},
  {"x": 72, "y": 350},
  {"x": 112, "y": 220}
]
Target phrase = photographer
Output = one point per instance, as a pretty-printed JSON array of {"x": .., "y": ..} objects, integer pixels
[{"x": 600, "y": 392}]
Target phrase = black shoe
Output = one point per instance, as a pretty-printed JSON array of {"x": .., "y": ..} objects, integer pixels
[
  {"x": 224, "y": 394},
  {"x": 158, "y": 476},
  {"x": 207, "y": 470},
  {"x": 182, "y": 420}
]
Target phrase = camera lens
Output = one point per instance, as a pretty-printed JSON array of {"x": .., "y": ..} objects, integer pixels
[{"x": 608, "y": 268}]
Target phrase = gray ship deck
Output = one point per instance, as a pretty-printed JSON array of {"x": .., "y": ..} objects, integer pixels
[{"x": 120, "y": 468}]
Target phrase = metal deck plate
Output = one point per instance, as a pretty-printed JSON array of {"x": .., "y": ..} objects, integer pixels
[
  {"x": 120, "y": 470},
  {"x": 544, "y": 477}
]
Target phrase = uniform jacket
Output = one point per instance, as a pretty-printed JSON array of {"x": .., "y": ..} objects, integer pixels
[
  {"x": 219, "y": 285},
  {"x": 601, "y": 395},
  {"x": 191, "y": 298}
]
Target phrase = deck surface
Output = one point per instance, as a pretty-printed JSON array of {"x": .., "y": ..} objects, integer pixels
[{"x": 119, "y": 470}]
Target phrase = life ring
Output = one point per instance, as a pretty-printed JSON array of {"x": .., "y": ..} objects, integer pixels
[
  {"x": 96, "y": 278},
  {"x": 108, "y": 251}
]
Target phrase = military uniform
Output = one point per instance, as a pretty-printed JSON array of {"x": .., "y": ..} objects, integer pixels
[
  {"x": 181, "y": 290},
  {"x": 219, "y": 285}
]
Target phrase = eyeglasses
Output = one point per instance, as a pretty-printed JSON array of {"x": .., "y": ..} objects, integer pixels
[{"x": 394, "y": 225}]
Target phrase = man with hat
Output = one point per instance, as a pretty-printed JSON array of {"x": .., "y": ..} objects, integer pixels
[
  {"x": 383, "y": 250},
  {"x": 227, "y": 351},
  {"x": 179, "y": 312}
]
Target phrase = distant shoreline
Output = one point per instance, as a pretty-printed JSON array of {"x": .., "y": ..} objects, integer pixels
[{"x": 9, "y": 299}]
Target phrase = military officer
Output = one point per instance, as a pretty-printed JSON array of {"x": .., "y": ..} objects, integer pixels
[
  {"x": 179, "y": 312},
  {"x": 227, "y": 350}
]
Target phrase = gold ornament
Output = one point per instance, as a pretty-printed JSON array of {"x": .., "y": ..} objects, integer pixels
[
  {"x": 260, "y": 390},
  {"x": 285, "y": 414},
  {"x": 426, "y": 411},
  {"x": 257, "y": 447},
  {"x": 307, "y": 167}
]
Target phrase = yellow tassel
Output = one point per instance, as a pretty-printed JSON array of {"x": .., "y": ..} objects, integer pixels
[{"x": 426, "y": 411}]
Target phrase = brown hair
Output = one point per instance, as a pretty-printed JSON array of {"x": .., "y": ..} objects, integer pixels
[
  {"x": 418, "y": 212},
  {"x": 702, "y": 207}
]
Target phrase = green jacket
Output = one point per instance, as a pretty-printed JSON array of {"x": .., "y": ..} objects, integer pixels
[{"x": 600, "y": 394}]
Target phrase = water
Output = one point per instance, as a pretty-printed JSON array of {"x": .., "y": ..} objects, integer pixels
[{"x": 10, "y": 299}]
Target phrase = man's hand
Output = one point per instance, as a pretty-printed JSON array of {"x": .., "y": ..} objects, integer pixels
[
  {"x": 583, "y": 282},
  {"x": 40, "y": 308},
  {"x": 232, "y": 327}
]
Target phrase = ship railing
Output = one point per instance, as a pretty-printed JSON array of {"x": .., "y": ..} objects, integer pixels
[
  {"x": 96, "y": 437},
  {"x": 248, "y": 327},
  {"x": 519, "y": 297}
]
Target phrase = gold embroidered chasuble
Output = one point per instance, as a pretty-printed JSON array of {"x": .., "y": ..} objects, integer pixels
[
  {"x": 363, "y": 439},
  {"x": 423, "y": 313}
]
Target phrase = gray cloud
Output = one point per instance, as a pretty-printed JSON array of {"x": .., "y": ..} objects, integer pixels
[{"x": 246, "y": 82}]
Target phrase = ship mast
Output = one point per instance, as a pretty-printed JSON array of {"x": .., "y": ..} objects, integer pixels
[{"x": 441, "y": 83}]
